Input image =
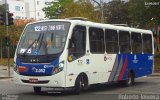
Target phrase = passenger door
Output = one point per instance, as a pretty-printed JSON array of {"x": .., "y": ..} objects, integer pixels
[{"x": 76, "y": 54}]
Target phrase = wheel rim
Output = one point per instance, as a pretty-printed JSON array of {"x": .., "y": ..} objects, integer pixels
[{"x": 82, "y": 83}]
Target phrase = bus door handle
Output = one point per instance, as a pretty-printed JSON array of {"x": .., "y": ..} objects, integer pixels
[
  {"x": 94, "y": 72},
  {"x": 109, "y": 71}
]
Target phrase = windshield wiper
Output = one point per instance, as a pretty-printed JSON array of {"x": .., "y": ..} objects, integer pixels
[
  {"x": 44, "y": 45},
  {"x": 31, "y": 44}
]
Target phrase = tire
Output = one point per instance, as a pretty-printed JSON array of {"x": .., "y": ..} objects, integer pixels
[
  {"x": 77, "y": 87},
  {"x": 80, "y": 84},
  {"x": 37, "y": 90}
]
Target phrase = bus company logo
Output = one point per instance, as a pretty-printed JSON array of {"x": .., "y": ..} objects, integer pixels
[
  {"x": 135, "y": 59},
  {"x": 34, "y": 60},
  {"x": 107, "y": 58},
  {"x": 80, "y": 62},
  {"x": 48, "y": 66},
  {"x": 33, "y": 69}
]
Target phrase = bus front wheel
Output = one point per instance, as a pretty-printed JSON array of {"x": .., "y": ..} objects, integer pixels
[
  {"x": 81, "y": 84},
  {"x": 37, "y": 90}
]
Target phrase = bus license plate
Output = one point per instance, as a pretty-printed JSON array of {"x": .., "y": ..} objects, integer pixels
[{"x": 33, "y": 80}]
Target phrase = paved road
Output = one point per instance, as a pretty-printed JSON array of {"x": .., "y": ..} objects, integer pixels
[{"x": 145, "y": 85}]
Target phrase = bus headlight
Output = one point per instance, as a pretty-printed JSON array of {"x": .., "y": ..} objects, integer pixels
[{"x": 58, "y": 68}]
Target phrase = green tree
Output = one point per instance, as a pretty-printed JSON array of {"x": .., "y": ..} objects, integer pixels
[
  {"x": 116, "y": 12},
  {"x": 144, "y": 13},
  {"x": 56, "y": 8},
  {"x": 69, "y": 8},
  {"x": 82, "y": 8},
  {"x": 2, "y": 32}
]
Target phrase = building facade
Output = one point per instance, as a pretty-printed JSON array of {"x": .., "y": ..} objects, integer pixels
[{"x": 27, "y": 9}]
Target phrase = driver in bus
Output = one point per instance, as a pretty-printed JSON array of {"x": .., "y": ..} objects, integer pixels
[
  {"x": 71, "y": 50},
  {"x": 49, "y": 44}
]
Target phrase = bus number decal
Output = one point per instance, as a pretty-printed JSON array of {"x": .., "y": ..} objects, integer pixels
[{"x": 38, "y": 70}]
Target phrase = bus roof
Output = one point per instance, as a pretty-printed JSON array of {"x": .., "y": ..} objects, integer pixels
[{"x": 98, "y": 25}]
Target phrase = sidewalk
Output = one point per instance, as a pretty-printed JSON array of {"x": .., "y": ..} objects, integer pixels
[
  {"x": 155, "y": 74},
  {"x": 4, "y": 72}
]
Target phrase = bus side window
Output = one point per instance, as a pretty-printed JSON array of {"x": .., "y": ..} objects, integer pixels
[
  {"x": 96, "y": 40},
  {"x": 147, "y": 43},
  {"x": 136, "y": 42},
  {"x": 111, "y": 38},
  {"x": 77, "y": 43},
  {"x": 124, "y": 42}
]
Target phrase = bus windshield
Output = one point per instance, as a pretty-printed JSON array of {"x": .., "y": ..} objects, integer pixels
[{"x": 43, "y": 38}]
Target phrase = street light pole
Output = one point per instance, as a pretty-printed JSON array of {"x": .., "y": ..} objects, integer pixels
[{"x": 101, "y": 7}]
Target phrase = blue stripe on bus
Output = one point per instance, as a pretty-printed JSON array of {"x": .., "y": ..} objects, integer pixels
[
  {"x": 39, "y": 66},
  {"x": 141, "y": 64}
]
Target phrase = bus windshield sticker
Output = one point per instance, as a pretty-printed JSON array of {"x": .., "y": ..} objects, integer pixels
[{"x": 23, "y": 50}]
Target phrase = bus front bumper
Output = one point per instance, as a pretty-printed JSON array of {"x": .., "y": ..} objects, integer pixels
[{"x": 57, "y": 80}]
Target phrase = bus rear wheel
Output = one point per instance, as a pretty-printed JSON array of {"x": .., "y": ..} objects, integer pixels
[
  {"x": 130, "y": 79},
  {"x": 37, "y": 90}
]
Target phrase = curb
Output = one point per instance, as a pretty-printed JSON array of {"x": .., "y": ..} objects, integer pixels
[
  {"x": 154, "y": 74},
  {"x": 5, "y": 77}
]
